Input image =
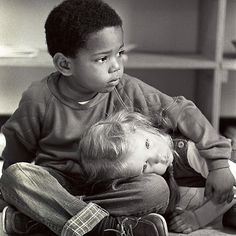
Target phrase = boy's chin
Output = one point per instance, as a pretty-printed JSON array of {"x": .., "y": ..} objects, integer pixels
[{"x": 108, "y": 89}]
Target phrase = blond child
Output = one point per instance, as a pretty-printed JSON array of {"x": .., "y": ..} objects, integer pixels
[{"x": 127, "y": 144}]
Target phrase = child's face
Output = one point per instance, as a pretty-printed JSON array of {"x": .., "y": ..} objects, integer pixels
[
  {"x": 98, "y": 66},
  {"x": 148, "y": 153}
]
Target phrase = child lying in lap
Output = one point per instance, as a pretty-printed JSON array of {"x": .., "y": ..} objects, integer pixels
[{"x": 128, "y": 144}]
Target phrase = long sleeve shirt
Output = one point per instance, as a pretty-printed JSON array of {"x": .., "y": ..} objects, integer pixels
[{"x": 47, "y": 126}]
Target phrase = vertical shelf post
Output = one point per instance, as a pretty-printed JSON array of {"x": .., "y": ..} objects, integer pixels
[{"x": 211, "y": 44}]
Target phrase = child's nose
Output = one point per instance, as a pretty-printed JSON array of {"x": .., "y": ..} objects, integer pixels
[
  {"x": 154, "y": 160},
  {"x": 151, "y": 168},
  {"x": 115, "y": 64}
]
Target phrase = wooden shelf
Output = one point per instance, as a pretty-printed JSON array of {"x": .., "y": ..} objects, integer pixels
[
  {"x": 42, "y": 60},
  {"x": 169, "y": 61},
  {"x": 135, "y": 60},
  {"x": 228, "y": 64}
]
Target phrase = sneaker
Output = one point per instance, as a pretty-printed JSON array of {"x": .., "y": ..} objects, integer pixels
[
  {"x": 16, "y": 223},
  {"x": 229, "y": 218},
  {"x": 149, "y": 225}
]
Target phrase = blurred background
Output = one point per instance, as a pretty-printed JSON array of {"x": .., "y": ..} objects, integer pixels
[{"x": 181, "y": 47}]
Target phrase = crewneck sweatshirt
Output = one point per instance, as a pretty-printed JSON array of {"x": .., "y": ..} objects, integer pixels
[{"x": 47, "y": 126}]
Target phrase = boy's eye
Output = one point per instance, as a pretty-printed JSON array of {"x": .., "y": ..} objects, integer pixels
[
  {"x": 102, "y": 59},
  {"x": 121, "y": 53},
  {"x": 147, "y": 144}
]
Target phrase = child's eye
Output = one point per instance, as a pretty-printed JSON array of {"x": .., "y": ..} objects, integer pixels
[
  {"x": 147, "y": 144},
  {"x": 120, "y": 53},
  {"x": 144, "y": 167},
  {"x": 102, "y": 59}
]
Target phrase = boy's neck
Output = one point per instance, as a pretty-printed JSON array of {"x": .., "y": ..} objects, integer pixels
[{"x": 68, "y": 91}]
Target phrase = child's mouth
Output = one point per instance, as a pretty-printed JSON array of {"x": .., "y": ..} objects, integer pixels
[{"x": 114, "y": 82}]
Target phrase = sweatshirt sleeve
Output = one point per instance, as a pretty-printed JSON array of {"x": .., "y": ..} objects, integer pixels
[
  {"x": 189, "y": 120},
  {"x": 181, "y": 114},
  {"x": 22, "y": 131}
]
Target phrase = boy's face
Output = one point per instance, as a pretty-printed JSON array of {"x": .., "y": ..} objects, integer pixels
[
  {"x": 98, "y": 66},
  {"x": 148, "y": 153}
]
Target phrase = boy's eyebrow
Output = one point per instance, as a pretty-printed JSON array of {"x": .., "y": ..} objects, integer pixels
[{"x": 107, "y": 52}]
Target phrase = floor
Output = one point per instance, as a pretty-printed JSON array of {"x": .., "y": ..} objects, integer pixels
[
  {"x": 203, "y": 232},
  {"x": 216, "y": 230}
]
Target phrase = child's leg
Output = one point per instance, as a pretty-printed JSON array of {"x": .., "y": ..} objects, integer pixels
[
  {"x": 34, "y": 191},
  {"x": 192, "y": 220},
  {"x": 210, "y": 211},
  {"x": 137, "y": 196}
]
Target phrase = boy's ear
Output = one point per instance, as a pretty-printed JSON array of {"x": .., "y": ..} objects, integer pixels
[{"x": 62, "y": 64}]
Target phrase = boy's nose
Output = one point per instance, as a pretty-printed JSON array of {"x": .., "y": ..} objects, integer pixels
[{"x": 115, "y": 65}]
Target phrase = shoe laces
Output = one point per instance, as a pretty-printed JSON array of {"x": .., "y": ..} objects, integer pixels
[{"x": 125, "y": 227}]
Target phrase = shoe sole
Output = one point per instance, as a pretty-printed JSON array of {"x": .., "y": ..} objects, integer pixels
[
  {"x": 164, "y": 224},
  {"x": 3, "y": 219}
]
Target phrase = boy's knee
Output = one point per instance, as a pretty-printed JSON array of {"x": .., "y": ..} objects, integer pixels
[
  {"x": 15, "y": 173},
  {"x": 150, "y": 193},
  {"x": 155, "y": 193}
]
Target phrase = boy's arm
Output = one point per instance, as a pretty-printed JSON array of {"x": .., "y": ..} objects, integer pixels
[
  {"x": 16, "y": 149},
  {"x": 186, "y": 221},
  {"x": 181, "y": 114},
  {"x": 188, "y": 119},
  {"x": 22, "y": 132}
]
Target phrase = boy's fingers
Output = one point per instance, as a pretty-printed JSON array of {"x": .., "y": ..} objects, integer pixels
[
  {"x": 180, "y": 227},
  {"x": 176, "y": 212},
  {"x": 175, "y": 222},
  {"x": 187, "y": 231},
  {"x": 208, "y": 192},
  {"x": 220, "y": 198}
]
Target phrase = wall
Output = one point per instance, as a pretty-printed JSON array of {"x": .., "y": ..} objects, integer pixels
[
  {"x": 228, "y": 102},
  {"x": 164, "y": 26}
]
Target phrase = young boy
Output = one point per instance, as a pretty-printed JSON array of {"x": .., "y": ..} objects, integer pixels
[{"x": 85, "y": 40}]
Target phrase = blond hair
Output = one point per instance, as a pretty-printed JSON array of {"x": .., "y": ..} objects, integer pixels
[{"x": 103, "y": 147}]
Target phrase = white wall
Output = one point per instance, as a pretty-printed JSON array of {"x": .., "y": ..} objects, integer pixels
[
  {"x": 228, "y": 102},
  {"x": 154, "y": 25},
  {"x": 22, "y": 21}
]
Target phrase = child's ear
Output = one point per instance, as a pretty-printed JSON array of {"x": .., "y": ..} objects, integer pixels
[{"x": 62, "y": 64}]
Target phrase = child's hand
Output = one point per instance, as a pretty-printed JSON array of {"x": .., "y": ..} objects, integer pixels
[
  {"x": 219, "y": 185},
  {"x": 183, "y": 221}
]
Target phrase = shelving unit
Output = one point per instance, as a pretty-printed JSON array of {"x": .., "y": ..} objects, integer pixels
[
  {"x": 186, "y": 35},
  {"x": 136, "y": 60}
]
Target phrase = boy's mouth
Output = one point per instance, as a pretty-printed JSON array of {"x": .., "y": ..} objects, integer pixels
[{"x": 114, "y": 82}]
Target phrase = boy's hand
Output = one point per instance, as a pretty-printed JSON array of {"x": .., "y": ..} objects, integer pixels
[
  {"x": 219, "y": 185},
  {"x": 183, "y": 221}
]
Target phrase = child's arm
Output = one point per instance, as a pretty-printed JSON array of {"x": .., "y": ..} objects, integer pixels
[
  {"x": 186, "y": 221},
  {"x": 215, "y": 149},
  {"x": 215, "y": 176},
  {"x": 182, "y": 115},
  {"x": 22, "y": 131},
  {"x": 218, "y": 185}
]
